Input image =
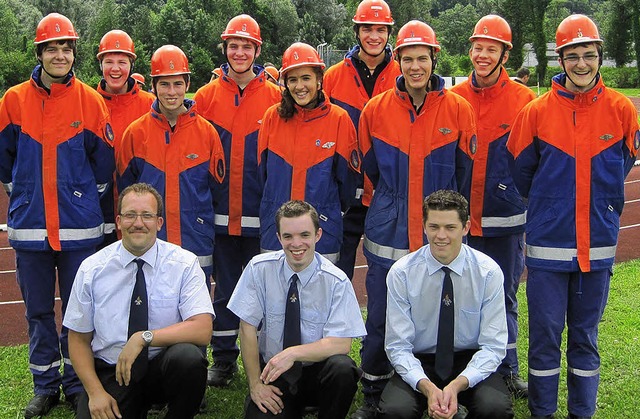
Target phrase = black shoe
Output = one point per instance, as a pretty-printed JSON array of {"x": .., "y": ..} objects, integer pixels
[
  {"x": 572, "y": 416},
  {"x": 517, "y": 386},
  {"x": 40, "y": 404},
  {"x": 542, "y": 417},
  {"x": 72, "y": 400},
  {"x": 203, "y": 404},
  {"x": 220, "y": 374},
  {"x": 366, "y": 411}
]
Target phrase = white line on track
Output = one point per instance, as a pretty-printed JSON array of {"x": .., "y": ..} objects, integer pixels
[{"x": 6, "y": 303}]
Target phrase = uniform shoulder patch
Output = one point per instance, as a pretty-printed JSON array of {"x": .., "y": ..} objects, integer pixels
[
  {"x": 108, "y": 132},
  {"x": 220, "y": 168},
  {"x": 473, "y": 145}
]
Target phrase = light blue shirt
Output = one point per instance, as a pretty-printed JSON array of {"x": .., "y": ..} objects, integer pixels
[
  {"x": 101, "y": 294},
  {"x": 414, "y": 285},
  {"x": 328, "y": 305}
]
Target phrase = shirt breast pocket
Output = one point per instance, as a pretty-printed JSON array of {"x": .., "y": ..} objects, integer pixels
[
  {"x": 312, "y": 324},
  {"x": 163, "y": 311},
  {"x": 468, "y": 327}
]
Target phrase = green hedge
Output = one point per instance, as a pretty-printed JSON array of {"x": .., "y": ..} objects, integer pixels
[{"x": 625, "y": 77}]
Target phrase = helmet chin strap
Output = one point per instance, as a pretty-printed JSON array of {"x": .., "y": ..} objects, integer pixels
[
  {"x": 51, "y": 75},
  {"x": 504, "y": 49},
  {"x": 250, "y": 68},
  {"x": 566, "y": 73},
  {"x": 365, "y": 51}
]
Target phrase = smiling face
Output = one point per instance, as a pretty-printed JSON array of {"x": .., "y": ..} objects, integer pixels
[
  {"x": 581, "y": 63},
  {"x": 57, "y": 60},
  {"x": 373, "y": 38},
  {"x": 116, "y": 68},
  {"x": 171, "y": 91},
  {"x": 416, "y": 65},
  {"x": 445, "y": 231},
  {"x": 298, "y": 237},
  {"x": 241, "y": 54},
  {"x": 303, "y": 83},
  {"x": 138, "y": 234},
  {"x": 485, "y": 56}
]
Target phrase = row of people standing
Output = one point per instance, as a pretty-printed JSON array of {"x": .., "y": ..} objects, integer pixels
[{"x": 415, "y": 138}]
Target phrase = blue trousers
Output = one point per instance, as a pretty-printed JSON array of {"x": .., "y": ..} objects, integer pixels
[
  {"x": 580, "y": 298},
  {"x": 352, "y": 231},
  {"x": 36, "y": 272},
  {"x": 374, "y": 362},
  {"x": 231, "y": 255},
  {"x": 508, "y": 252}
]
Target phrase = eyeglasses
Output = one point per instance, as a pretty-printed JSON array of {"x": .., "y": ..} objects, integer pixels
[
  {"x": 130, "y": 217},
  {"x": 575, "y": 59}
]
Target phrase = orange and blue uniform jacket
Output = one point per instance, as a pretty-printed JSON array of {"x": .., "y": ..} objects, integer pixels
[
  {"x": 185, "y": 164},
  {"x": 571, "y": 153},
  {"x": 342, "y": 84},
  {"x": 56, "y": 157},
  {"x": 124, "y": 109},
  {"x": 407, "y": 156},
  {"x": 237, "y": 118},
  {"x": 312, "y": 156},
  {"x": 496, "y": 207}
]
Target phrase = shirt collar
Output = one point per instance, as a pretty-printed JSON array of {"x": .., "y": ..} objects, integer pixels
[
  {"x": 457, "y": 265},
  {"x": 305, "y": 275},
  {"x": 150, "y": 256}
]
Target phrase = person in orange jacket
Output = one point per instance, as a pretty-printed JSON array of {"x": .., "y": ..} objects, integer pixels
[
  {"x": 126, "y": 101},
  {"x": 572, "y": 149},
  {"x": 234, "y": 104},
  {"x": 56, "y": 158},
  {"x": 178, "y": 152},
  {"x": 416, "y": 139},
  {"x": 497, "y": 209},
  {"x": 367, "y": 70},
  {"x": 307, "y": 151}
]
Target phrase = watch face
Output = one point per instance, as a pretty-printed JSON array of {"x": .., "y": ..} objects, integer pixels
[{"x": 147, "y": 336}]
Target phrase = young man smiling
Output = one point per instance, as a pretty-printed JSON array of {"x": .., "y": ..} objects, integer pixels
[
  {"x": 572, "y": 149},
  {"x": 415, "y": 139},
  {"x": 297, "y": 292},
  {"x": 415, "y": 341},
  {"x": 497, "y": 209},
  {"x": 234, "y": 104},
  {"x": 55, "y": 160},
  {"x": 367, "y": 70}
]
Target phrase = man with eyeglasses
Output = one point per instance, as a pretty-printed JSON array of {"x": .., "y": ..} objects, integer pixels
[
  {"x": 124, "y": 369},
  {"x": 572, "y": 149}
]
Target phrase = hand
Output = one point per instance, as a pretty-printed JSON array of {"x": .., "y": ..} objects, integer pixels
[
  {"x": 129, "y": 353},
  {"x": 441, "y": 404},
  {"x": 277, "y": 366},
  {"x": 267, "y": 397},
  {"x": 103, "y": 406}
]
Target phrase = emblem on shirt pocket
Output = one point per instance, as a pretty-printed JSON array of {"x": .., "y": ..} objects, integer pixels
[
  {"x": 505, "y": 126},
  {"x": 606, "y": 137},
  {"x": 192, "y": 156},
  {"x": 444, "y": 131},
  {"x": 328, "y": 145}
]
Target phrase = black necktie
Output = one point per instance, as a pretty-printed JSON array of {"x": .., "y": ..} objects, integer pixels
[
  {"x": 292, "y": 332},
  {"x": 444, "y": 348},
  {"x": 139, "y": 320}
]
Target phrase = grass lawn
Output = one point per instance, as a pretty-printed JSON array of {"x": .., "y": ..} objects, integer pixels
[{"x": 619, "y": 348}]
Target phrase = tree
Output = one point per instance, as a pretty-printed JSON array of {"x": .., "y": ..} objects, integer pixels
[
  {"x": 454, "y": 26},
  {"x": 537, "y": 10}
]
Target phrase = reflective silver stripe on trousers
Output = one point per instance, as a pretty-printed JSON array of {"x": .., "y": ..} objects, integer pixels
[
  {"x": 386, "y": 252},
  {"x": 67, "y": 361},
  {"x": 223, "y": 220},
  {"x": 39, "y": 234},
  {"x": 102, "y": 187},
  {"x": 44, "y": 367},
  {"x": 8, "y": 187},
  {"x": 544, "y": 373},
  {"x": 205, "y": 261},
  {"x": 377, "y": 377},
  {"x": 333, "y": 257},
  {"x": 109, "y": 228},
  {"x": 512, "y": 221},
  {"x": 359, "y": 193},
  {"x": 566, "y": 255},
  {"x": 511, "y": 345},
  {"x": 222, "y": 333},
  {"x": 583, "y": 373}
]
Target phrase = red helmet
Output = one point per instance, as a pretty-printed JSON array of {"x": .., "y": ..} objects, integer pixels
[
  {"x": 169, "y": 60},
  {"x": 272, "y": 72},
  {"x": 300, "y": 54},
  {"x": 54, "y": 27},
  {"x": 493, "y": 27},
  {"x": 139, "y": 78},
  {"x": 416, "y": 32},
  {"x": 373, "y": 12},
  {"x": 576, "y": 29},
  {"x": 116, "y": 41},
  {"x": 243, "y": 26}
]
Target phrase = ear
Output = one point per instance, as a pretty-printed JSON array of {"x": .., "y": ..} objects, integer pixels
[
  {"x": 160, "y": 222},
  {"x": 505, "y": 57},
  {"x": 258, "y": 51},
  {"x": 466, "y": 228},
  {"x": 318, "y": 234}
]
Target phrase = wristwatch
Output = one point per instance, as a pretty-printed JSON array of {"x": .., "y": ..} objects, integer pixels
[{"x": 147, "y": 336}]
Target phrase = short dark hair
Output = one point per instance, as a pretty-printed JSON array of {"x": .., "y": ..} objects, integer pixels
[
  {"x": 141, "y": 188},
  {"x": 71, "y": 42},
  {"x": 293, "y": 209},
  {"x": 154, "y": 81},
  {"x": 446, "y": 200},
  {"x": 523, "y": 72}
]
